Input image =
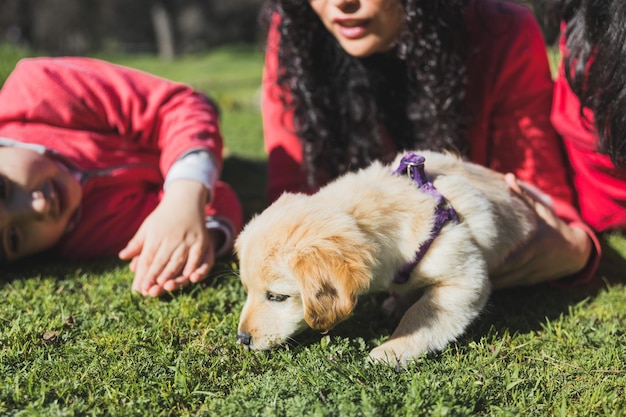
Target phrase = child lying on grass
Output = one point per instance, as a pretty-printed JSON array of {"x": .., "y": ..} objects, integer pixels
[{"x": 99, "y": 160}]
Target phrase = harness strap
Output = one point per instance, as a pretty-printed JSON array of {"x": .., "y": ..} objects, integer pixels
[{"x": 413, "y": 166}]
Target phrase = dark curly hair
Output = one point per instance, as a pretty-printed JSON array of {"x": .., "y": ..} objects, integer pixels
[
  {"x": 596, "y": 66},
  {"x": 415, "y": 92}
]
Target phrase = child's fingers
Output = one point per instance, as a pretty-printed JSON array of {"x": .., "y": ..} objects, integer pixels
[
  {"x": 156, "y": 291},
  {"x": 170, "y": 285},
  {"x": 147, "y": 262},
  {"x": 133, "y": 247},
  {"x": 203, "y": 270},
  {"x": 142, "y": 281},
  {"x": 176, "y": 283},
  {"x": 170, "y": 265},
  {"x": 136, "y": 267},
  {"x": 197, "y": 256},
  {"x": 137, "y": 284},
  {"x": 201, "y": 273}
]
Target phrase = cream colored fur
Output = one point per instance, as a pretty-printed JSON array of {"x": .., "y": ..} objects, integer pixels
[{"x": 305, "y": 260}]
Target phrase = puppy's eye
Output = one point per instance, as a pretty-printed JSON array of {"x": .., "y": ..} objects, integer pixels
[{"x": 276, "y": 297}]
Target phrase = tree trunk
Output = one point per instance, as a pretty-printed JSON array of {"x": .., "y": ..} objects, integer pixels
[{"x": 163, "y": 31}]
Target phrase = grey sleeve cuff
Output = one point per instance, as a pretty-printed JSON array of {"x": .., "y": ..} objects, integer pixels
[
  {"x": 196, "y": 165},
  {"x": 222, "y": 225}
]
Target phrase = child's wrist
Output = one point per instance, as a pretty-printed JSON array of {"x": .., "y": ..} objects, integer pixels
[
  {"x": 198, "y": 165},
  {"x": 190, "y": 191}
]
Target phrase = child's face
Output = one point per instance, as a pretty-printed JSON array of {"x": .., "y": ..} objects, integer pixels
[
  {"x": 362, "y": 27},
  {"x": 38, "y": 198}
]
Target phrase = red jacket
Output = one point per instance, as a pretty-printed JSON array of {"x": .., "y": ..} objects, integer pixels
[
  {"x": 120, "y": 127},
  {"x": 600, "y": 185},
  {"x": 509, "y": 93}
]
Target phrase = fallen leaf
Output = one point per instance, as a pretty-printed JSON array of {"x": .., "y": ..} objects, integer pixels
[{"x": 50, "y": 336}]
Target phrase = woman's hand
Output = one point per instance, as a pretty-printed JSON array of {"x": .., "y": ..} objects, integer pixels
[
  {"x": 172, "y": 247},
  {"x": 555, "y": 251}
]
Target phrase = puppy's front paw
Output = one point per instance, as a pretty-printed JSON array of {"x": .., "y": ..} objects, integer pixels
[
  {"x": 395, "y": 353},
  {"x": 384, "y": 356}
]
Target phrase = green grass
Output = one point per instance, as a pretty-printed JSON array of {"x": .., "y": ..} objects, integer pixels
[
  {"x": 75, "y": 342},
  {"x": 9, "y": 55}
]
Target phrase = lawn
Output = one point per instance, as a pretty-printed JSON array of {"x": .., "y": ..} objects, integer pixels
[{"x": 74, "y": 341}]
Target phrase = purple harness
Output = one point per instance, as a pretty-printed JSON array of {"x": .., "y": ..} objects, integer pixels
[{"x": 413, "y": 165}]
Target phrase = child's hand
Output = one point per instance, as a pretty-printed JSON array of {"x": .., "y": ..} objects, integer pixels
[{"x": 172, "y": 247}]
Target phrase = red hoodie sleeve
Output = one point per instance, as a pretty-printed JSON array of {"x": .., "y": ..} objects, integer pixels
[
  {"x": 515, "y": 134},
  {"x": 285, "y": 157},
  {"x": 146, "y": 111}
]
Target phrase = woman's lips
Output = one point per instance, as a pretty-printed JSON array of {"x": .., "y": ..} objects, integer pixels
[{"x": 351, "y": 29}]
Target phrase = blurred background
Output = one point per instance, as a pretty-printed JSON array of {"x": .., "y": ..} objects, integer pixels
[
  {"x": 163, "y": 27},
  {"x": 215, "y": 46},
  {"x": 166, "y": 28}
]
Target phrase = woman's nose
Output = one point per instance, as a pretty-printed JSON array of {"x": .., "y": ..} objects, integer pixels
[{"x": 347, "y": 6}]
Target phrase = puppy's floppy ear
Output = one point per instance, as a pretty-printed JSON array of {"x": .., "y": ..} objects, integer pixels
[{"x": 330, "y": 284}]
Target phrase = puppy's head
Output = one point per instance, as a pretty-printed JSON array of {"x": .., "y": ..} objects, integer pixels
[{"x": 301, "y": 264}]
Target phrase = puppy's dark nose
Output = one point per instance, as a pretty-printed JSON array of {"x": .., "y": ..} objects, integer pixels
[{"x": 245, "y": 338}]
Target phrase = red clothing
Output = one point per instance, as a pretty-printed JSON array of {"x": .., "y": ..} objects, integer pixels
[
  {"x": 601, "y": 186},
  {"x": 509, "y": 93},
  {"x": 120, "y": 127}
]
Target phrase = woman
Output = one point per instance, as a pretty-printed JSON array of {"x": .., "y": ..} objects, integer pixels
[
  {"x": 99, "y": 160},
  {"x": 349, "y": 81},
  {"x": 589, "y": 108}
]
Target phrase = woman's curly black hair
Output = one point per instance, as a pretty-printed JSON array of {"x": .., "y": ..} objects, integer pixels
[
  {"x": 415, "y": 92},
  {"x": 596, "y": 66}
]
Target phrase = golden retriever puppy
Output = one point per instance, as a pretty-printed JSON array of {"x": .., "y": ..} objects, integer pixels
[{"x": 305, "y": 260}]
